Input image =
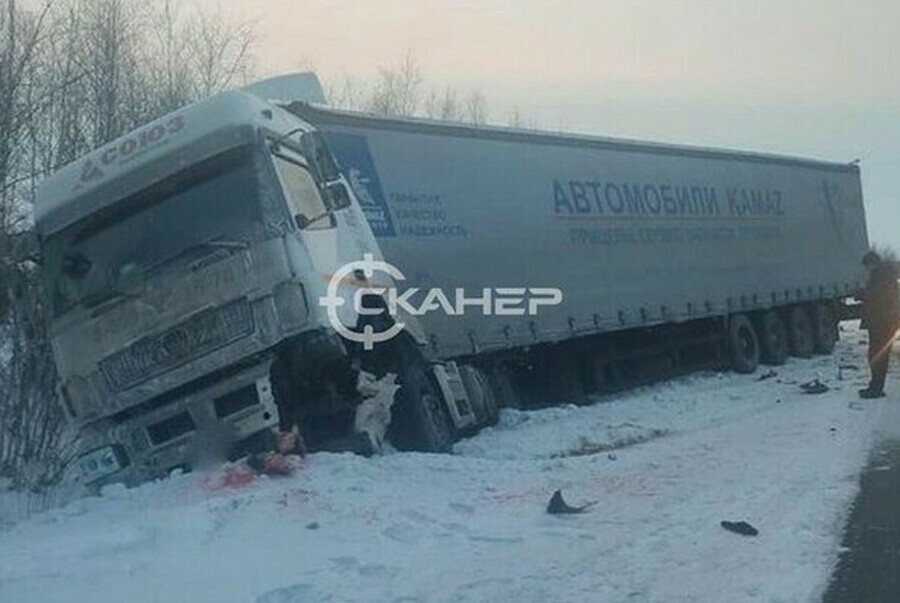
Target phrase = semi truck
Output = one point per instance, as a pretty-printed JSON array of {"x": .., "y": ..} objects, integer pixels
[{"x": 240, "y": 266}]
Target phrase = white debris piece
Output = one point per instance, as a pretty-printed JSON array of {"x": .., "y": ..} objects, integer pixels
[{"x": 373, "y": 415}]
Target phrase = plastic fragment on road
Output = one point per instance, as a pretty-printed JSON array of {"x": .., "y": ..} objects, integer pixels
[
  {"x": 740, "y": 527},
  {"x": 768, "y": 375},
  {"x": 814, "y": 387},
  {"x": 558, "y": 506}
]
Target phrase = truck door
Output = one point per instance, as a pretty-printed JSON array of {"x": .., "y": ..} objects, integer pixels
[{"x": 329, "y": 222}]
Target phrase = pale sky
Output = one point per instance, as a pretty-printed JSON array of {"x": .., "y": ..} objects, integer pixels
[{"x": 816, "y": 78}]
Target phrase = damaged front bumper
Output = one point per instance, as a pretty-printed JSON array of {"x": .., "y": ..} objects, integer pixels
[{"x": 199, "y": 424}]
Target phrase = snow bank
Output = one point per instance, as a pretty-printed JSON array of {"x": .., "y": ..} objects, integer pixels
[{"x": 472, "y": 526}]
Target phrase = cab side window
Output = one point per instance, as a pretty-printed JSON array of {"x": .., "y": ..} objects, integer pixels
[{"x": 301, "y": 189}]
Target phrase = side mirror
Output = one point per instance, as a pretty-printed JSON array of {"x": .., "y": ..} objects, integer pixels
[
  {"x": 316, "y": 150},
  {"x": 338, "y": 196},
  {"x": 303, "y": 222}
]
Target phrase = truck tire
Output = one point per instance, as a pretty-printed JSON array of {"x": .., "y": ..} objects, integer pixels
[
  {"x": 743, "y": 344},
  {"x": 773, "y": 338},
  {"x": 420, "y": 420},
  {"x": 824, "y": 328},
  {"x": 481, "y": 395},
  {"x": 800, "y": 332}
]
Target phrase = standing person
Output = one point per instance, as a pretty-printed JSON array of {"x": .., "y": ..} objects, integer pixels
[{"x": 881, "y": 317}]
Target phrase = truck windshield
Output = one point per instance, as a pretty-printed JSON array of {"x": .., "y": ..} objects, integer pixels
[{"x": 211, "y": 207}]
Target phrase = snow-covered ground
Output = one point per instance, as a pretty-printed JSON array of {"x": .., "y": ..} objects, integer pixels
[{"x": 665, "y": 464}]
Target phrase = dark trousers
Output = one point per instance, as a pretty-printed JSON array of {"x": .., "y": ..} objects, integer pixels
[{"x": 879, "y": 356}]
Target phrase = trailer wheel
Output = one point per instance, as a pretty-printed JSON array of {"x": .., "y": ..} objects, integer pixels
[
  {"x": 420, "y": 420},
  {"x": 800, "y": 332},
  {"x": 773, "y": 338},
  {"x": 743, "y": 343},
  {"x": 824, "y": 329}
]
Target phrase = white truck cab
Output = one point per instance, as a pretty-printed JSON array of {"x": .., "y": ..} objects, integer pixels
[{"x": 183, "y": 267}]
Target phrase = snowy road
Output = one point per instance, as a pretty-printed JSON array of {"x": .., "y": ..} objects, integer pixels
[{"x": 665, "y": 464}]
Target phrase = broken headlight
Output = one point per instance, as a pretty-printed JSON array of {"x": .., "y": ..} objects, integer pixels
[{"x": 100, "y": 463}]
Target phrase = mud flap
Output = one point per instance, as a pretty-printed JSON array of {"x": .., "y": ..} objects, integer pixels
[{"x": 455, "y": 395}]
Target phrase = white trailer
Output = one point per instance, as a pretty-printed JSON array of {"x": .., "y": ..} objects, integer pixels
[{"x": 634, "y": 234}]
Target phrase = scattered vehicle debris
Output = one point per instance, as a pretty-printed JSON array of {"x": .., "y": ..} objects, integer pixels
[
  {"x": 558, "y": 506},
  {"x": 814, "y": 387},
  {"x": 373, "y": 415},
  {"x": 740, "y": 527}
]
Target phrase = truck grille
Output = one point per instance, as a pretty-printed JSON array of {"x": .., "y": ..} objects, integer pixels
[
  {"x": 196, "y": 336},
  {"x": 171, "y": 428}
]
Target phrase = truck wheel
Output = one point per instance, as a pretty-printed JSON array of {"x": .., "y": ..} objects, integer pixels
[
  {"x": 422, "y": 421},
  {"x": 773, "y": 338},
  {"x": 484, "y": 404},
  {"x": 743, "y": 343},
  {"x": 800, "y": 332},
  {"x": 824, "y": 329}
]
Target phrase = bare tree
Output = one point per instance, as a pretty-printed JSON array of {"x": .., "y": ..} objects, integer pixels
[
  {"x": 19, "y": 47},
  {"x": 347, "y": 93},
  {"x": 475, "y": 108},
  {"x": 397, "y": 90},
  {"x": 431, "y": 104},
  {"x": 220, "y": 52},
  {"x": 444, "y": 106},
  {"x": 515, "y": 118},
  {"x": 170, "y": 73}
]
